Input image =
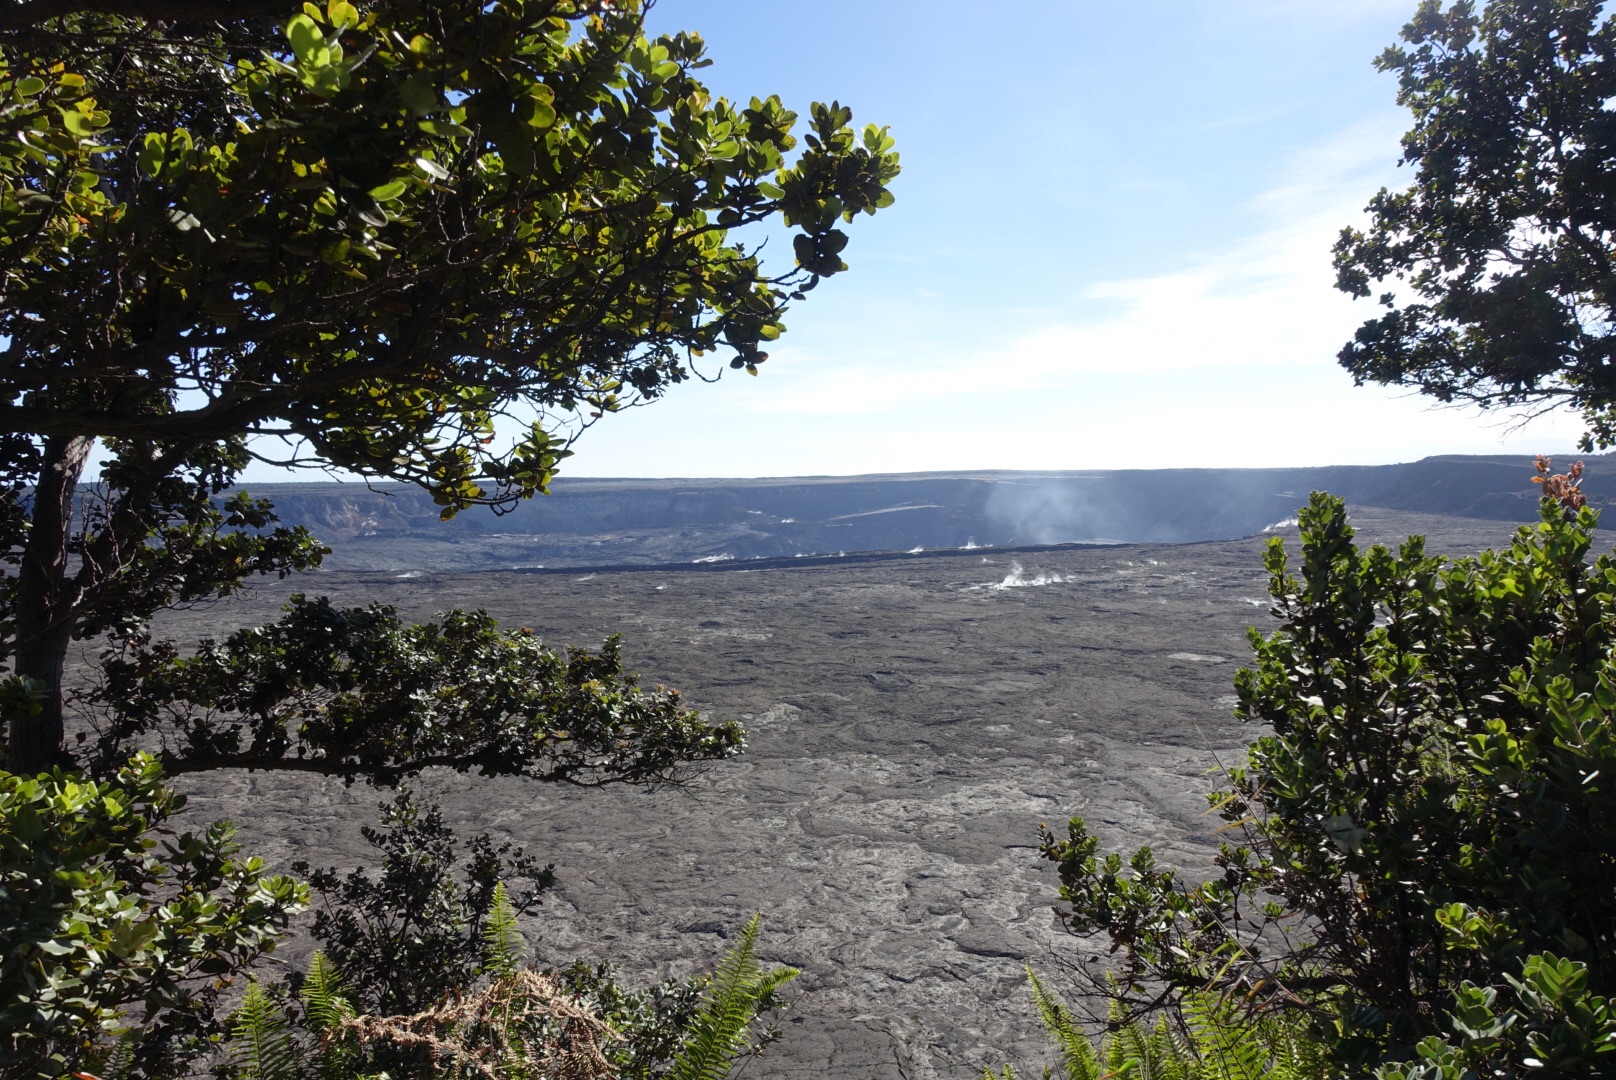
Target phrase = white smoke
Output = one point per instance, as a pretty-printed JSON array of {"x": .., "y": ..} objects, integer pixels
[
  {"x": 1053, "y": 511},
  {"x": 1017, "y": 579}
]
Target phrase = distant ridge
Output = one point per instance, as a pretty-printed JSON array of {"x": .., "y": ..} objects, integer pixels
[{"x": 639, "y": 522}]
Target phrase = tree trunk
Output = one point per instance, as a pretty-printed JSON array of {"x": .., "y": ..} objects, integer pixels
[{"x": 46, "y": 603}]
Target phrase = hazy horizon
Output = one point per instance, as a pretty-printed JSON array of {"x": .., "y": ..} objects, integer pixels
[{"x": 313, "y": 476}]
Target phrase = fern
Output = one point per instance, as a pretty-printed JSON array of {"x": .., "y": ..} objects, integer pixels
[
  {"x": 1125, "y": 1053},
  {"x": 739, "y": 991},
  {"x": 323, "y": 1002},
  {"x": 1078, "y": 1058},
  {"x": 1211, "y": 1039},
  {"x": 502, "y": 939},
  {"x": 325, "y": 1008},
  {"x": 1169, "y": 1057},
  {"x": 116, "y": 1061},
  {"x": 261, "y": 1045},
  {"x": 1298, "y": 1053}
]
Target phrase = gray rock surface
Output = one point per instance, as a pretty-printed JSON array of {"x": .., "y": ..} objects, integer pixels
[{"x": 912, "y": 721}]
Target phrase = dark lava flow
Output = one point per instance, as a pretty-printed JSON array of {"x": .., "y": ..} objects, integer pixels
[{"x": 912, "y": 721}]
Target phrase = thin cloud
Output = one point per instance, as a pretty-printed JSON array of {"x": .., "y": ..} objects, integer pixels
[{"x": 1267, "y": 300}]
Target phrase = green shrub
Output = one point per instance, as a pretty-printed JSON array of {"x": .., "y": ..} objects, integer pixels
[
  {"x": 438, "y": 917},
  {"x": 1431, "y": 805},
  {"x": 110, "y": 920},
  {"x": 1546, "y": 1021},
  {"x": 513, "y": 1021},
  {"x": 413, "y": 929}
]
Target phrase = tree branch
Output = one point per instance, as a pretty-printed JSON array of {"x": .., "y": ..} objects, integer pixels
[
  {"x": 606, "y": 773},
  {"x": 24, "y": 14}
]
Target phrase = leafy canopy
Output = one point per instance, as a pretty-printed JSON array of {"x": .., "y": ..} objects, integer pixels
[
  {"x": 358, "y": 692},
  {"x": 380, "y": 229},
  {"x": 1496, "y": 264},
  {"x": 422, "y": 241}
]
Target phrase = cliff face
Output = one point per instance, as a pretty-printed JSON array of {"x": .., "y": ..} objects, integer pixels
[{"x": 644, "y": 522}]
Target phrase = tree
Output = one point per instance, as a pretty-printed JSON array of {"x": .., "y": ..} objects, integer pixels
[
  {"x": 421, "y": 241},
  {"x": 418, "y": 240},
  {"x": 1499, "y": 262},
  {"x": 1431, "y": 809}
]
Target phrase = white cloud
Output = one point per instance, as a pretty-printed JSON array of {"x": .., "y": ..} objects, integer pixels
[
  {"x": 1226, "y": 359},
  {"x": 1266, "y": 300}
]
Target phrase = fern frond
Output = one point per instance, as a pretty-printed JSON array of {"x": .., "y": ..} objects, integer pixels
[
  {"x": 1079, "y": 1061},
  {"x": 1125, "y": 1051},
  {"x": 502, "y": 938},
  {"x": 323, "y": 1000},
  {"x": 261, "y": 1045},
  {"x": 1229, "y": 1044},
  {"x": 1285, "y": 1048},
  {"x": 739, "y": 990},
  {"x": 114, "y": 1062},
  {"x": 1296, "y": 1050},
  {"x": 1169, "y": 1057},
  {"x": 325, "y": 1007}
]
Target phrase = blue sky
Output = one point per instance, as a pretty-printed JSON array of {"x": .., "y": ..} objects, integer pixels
[{"x": 1110, "y": 247}]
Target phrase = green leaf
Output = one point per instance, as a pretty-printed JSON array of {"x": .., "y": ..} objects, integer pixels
[
  {"x": 342, "y": 14},
  {"x": 389, "y": 191},
  {"x": 130, "y": 938},
  {"x": 307, "y": 41},
  {"x": 420, "y": 95},
  {"x": 443, "y": 129},
  {"x": 77, "y": 123}
]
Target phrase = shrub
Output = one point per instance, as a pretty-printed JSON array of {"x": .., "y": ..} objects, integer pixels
[
  {"x": 1430, "y": 807},
  {"x": 110, "y": 919},
  {"x": 513, "y": 1022},
  {"x": 413, "y": 929}
]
